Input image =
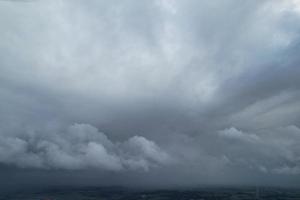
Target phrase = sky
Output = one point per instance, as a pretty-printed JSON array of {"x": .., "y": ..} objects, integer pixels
[{"x": 158, "y": 93}]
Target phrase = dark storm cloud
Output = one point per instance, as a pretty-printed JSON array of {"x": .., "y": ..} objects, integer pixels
[{"x": 208, "y": 91}]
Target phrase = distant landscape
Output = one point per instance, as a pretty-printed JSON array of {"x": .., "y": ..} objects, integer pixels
[{"x": 116, "y": 193}]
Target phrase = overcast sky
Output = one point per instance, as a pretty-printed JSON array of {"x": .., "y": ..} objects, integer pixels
[{"x": 150, "y": 93}]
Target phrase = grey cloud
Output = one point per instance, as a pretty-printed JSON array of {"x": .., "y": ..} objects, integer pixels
[
  {"x": 236, "y": 134},
  {"x": 210, "y": 88},
  {"x": 82, "y": 146},
  {"x": 270, "y": 151}
]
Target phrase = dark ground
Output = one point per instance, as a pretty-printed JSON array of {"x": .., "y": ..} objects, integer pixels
[{"x": 117, "y": 193}]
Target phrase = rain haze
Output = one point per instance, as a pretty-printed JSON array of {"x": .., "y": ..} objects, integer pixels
[{"x": 158, "y": 93}]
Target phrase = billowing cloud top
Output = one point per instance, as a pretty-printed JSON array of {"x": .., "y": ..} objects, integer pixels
[{"x": 182, "y": 92}]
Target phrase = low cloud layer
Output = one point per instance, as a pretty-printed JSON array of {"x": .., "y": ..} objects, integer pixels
[
  {"x": 269, "y": 151},
  {"x": 81, "y": 146},
  {"x": 146, "y": 92}
]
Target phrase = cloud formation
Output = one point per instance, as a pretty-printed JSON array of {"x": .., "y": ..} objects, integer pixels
[
  {"x": 82, "y": 146},
  {"x": 189, "y": 91},
  {"x": 273, "y": 151}
]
